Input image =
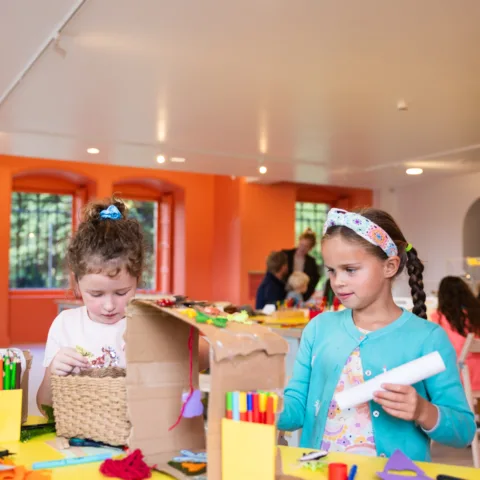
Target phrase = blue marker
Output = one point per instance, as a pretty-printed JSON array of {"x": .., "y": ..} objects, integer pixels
[
  {"x": 352, "y": 473},
  {"x": 66, "y": 462},
  {"x": 236, "y": 406},
  {"x": 249, "y": 407}
]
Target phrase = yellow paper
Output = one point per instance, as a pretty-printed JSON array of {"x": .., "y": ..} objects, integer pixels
[
  {"x": 10, "y": 415},
  {"x": 248, "y": 450}
]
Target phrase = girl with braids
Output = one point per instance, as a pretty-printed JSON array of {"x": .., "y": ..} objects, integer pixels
[
  {"x": 106, "y": 256},
  {"x": 363, "y": 253},
  {"x": 458, "y": 313}
]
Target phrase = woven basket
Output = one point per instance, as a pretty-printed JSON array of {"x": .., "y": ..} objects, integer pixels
[{"x": 92, "y": 404}]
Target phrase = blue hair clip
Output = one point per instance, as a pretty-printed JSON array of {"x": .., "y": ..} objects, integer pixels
[{"x": 111, "y": 213}]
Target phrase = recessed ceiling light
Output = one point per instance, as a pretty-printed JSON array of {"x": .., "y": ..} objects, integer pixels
[
  {"x": 93, "y": 150},
  {"x": 414, "y": 171},
  {"x": 177, "y": 160},
  {"x": 160, "y": 159},
  {"x": 262, "y": 169}
]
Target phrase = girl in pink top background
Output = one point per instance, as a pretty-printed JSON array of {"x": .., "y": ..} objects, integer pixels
[{"x": 458, "y": 312}]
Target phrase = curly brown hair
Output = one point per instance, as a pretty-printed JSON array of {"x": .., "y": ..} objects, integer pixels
[
  {"x": 106, "y": 245},
  {"x": 459, "y": 305},
  {"x": 407, "y": 259}
]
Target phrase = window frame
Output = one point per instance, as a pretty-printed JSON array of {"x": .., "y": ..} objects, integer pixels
[{"x": 74, "y": 192}]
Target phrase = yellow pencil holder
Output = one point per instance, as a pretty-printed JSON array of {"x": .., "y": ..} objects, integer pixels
[
  {"x": 10, "y": 415},
  {"x": 248, "y": 450}
]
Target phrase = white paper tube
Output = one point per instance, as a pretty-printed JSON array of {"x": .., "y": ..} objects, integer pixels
[{"x": 406, "y": 374}]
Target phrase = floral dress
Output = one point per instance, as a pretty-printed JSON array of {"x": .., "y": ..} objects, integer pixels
[{"x": 350, "y": 430}]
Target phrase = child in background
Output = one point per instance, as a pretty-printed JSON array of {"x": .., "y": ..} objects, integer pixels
[
  {"x": 458, "y": 313},
  {"x": 297, "y": 285},
  {"x": 363, "y": 253},
  {"x": 272, "y": 289},
  {"x": 106, "y": 256}
]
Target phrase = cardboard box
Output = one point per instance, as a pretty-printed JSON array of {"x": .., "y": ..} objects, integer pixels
[{"x": 243, "y": 357}]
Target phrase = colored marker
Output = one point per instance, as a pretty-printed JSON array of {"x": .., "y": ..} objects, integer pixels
[
  {"x": 243, "y": 406},
  {"x": 229, "y": 406},
  {"x": 337, "y": 471},
  {"x": 249, "y": 407},
  {"x": 262, "y": 403},
  {"x": 1, "y": 373},
  {"x": 13, "y": 375},
  {"x": 19, "y": 374},
  {"x": 275, "y": 402},
  {"x": 6, "y": 375},
  {"x": 236, "y": 405},
  {"x": 270, "y": 415},
  {"x": 256, "y": 408},
  {"x": 352, "y": 473},
  {"x": 65, "y": 462}
]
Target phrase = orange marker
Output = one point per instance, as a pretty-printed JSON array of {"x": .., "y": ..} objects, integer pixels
[
  {"x": 270, "y": 414},
  {"x": 243, "y": 407}
]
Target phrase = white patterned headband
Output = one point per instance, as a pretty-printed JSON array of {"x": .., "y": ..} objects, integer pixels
[{"x": 363, "y": 227}]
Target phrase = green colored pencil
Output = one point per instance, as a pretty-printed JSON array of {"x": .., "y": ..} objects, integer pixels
[
  {"x": 6, "y": 378},
  {"x": 13, "y": 375}
]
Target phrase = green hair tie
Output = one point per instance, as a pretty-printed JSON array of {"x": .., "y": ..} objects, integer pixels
[{"x": 408, "y": 247}]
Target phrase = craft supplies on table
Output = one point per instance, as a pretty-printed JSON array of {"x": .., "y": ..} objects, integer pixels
[
  {"x": 249, "y": 435},
  {"x": 254, "y": 407},
  {"x": 12, "y": 365},
  {"x": 406, "y": 374},
  {"x": 14, "y": 372},
  {"x": 38, "y": 449}
]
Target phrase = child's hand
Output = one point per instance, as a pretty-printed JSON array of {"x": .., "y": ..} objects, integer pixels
[
  {"x": 66, "y": 361},
  {"x": 403, "y": 401}
]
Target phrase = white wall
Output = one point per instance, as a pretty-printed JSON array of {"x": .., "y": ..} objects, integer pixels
[{"x": 431, "y": 216}]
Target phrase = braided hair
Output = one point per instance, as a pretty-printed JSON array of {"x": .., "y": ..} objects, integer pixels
[{"x": 408, "y": 256}]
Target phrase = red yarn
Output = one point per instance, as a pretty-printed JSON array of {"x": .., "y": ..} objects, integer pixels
[
  {"x": 190, "y": 351},
  {"x": 131, "y": 467}
]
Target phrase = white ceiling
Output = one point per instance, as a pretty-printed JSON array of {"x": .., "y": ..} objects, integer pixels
[{"x": 310, "y": 85}]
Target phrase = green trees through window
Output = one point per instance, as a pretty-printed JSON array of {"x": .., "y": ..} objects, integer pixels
[{"x": 40, "y": 229}]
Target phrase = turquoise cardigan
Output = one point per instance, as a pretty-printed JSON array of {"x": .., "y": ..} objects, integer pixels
[{"x": 326, "y": 343}]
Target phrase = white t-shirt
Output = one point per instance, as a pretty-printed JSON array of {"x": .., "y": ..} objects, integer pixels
[{"x": 74, "y": 328}]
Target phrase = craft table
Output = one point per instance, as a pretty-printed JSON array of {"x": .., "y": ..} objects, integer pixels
[{"x": 37, "y": 450}]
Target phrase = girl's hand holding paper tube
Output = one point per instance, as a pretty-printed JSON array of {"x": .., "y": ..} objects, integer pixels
[
  {"x": 403, "y": 401},
  {"x": 399, "y": 399}
]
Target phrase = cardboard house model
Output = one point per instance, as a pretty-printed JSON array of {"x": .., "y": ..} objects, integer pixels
[{"x": 242, "y": 357}]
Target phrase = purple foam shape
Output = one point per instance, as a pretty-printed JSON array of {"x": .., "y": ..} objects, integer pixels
[
  {"x": 194, "y": 406},
  {"x": 400, "y": 462}
]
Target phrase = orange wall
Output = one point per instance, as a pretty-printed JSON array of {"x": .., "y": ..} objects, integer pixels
[
  {"x": 268, "y": 223},
  {"x": 226, "y": 240},
  {"x": 223, "y": 229}
]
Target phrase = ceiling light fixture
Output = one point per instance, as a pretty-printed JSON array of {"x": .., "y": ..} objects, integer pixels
[
  {"x": 262, "y": 169},
  {"x": 93, "y": 151},
  {"x": 160, "y": 159},
  {"x": 177, "y": 160},
  {"x": 414, "y": 171}
]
